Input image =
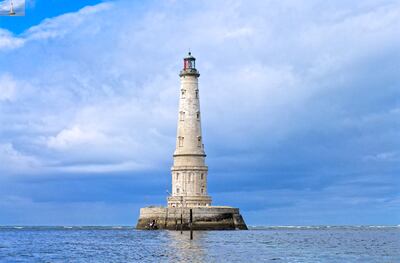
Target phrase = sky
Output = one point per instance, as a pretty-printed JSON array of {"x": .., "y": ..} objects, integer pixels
[{"x": 300, "y": 109}]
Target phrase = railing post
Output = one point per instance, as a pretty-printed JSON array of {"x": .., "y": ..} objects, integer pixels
[
  {"x": 181, "y": 222},
  {"x": 191, "y": 224}
]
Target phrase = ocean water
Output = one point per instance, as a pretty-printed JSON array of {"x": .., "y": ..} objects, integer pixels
[{"x": 270, "y": 244}]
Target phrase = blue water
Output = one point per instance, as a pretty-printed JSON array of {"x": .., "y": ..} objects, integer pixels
[{"x": 271, "y": 244}]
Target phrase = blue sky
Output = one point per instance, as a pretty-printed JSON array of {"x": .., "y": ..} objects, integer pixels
[{"x": 300, "y": 104}]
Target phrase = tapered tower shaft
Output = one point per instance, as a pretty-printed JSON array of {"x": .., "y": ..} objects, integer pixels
[{"x": 189, "y": 172}]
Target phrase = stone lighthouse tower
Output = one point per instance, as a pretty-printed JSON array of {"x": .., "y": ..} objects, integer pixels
[{"x": 189, "y": 172}]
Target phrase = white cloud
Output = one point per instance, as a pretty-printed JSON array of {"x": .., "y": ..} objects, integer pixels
[
  {"x": 384, "y": 157},
  {"x": 50, "y": 28},
  {"x": 8, "y": 41},
  {"x": 103, "y": 168},
  {"x": 8, "y": 87},
  {"x": 240, "y": 32},
  {"x": 75, "y": 136},
  {"x": 64, "y": 24},
  {"x": 13, "y": 161}
]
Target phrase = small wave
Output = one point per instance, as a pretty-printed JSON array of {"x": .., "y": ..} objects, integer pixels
[
  {"x": 322, "y": 227},
  {"x": 382, "y": 226}
]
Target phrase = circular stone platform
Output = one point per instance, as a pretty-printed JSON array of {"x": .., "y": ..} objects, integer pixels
[{"x": 204, "y": 218}]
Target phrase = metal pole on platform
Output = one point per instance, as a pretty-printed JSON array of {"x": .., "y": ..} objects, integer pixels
[
  {"x": 181, "y": 214},
  {"x": 191, "y": 224},
  {"x": 181, "y": 223}
]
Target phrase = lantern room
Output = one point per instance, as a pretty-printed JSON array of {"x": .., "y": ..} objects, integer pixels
[
  {"x": 189, "y": 66},
  {"x": 189, "y": 62}
]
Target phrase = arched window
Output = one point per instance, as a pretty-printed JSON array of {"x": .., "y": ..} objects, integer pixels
[
  {"x": 180, "y": 139},
  {"x": 177, "y": 190},
  {"x": 198, "y": 115},
  {"x": 202, "y": 176}
]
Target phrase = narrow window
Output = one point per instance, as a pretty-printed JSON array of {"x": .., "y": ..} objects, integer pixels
[
  {"x": 177, "y": 190},
  {"x": 202, "y": 176},
  {"x": 181, "y": 115},
  {"x": 183, "y": 92},
  {"x": 202, "y": 190},
  {"x": 177, "y": 176},
  {"x": 198, "y": 141},
  {"x": 198, "y": 115},
  {"x": 197, "y": 94},
  {"x": 180, "y": 138}
]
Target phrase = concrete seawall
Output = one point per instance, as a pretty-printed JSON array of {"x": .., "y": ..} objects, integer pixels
[{"x": 204, "y": 218}]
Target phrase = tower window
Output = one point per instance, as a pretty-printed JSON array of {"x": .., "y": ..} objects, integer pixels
[
  {"x": 181, "y": 115},
  {"x": 198, "y": 141},
  {"x": 198, "y": 115},
  {"x": 177, "y": 190},
  {"x": 183, "y": 92},
  {"x": 202, "y": 190},
  {"x": 177, "y": 176},
  {"x": 180, "y": 139},
  {"x": 202, "y": 176},
  {"x": 197, "y": 94}
]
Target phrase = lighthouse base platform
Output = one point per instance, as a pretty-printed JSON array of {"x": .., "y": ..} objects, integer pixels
[{"x": 204, "y": 218}]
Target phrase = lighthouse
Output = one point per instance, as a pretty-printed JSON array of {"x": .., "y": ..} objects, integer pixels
[
  {"x": 189, "y": 171},
  {"x": 12, "y": 12},
  {"x": 189, "y": 199}
]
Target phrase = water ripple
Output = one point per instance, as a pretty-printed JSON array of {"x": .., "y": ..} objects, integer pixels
[{"x": 272, "y": 244}]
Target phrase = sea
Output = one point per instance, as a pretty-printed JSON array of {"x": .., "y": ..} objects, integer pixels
[{"x": 259, "y": 244}]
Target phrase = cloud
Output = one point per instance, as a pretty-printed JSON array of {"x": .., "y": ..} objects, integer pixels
[
  {"x": 14, "y": 162},
  {"x": 105, "y": 76},
  {"x": 75, "y": 136},
  {"x": 8, "y": 87},
  {"x": 8, "y": 41},
  {"x": 50, "y": 28},
  {"x": 240, "y": 33},
  {"x": 384, "y": 156},
  {"x": 103, "y": 168},
  {"x": 64, "y": 24}
]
